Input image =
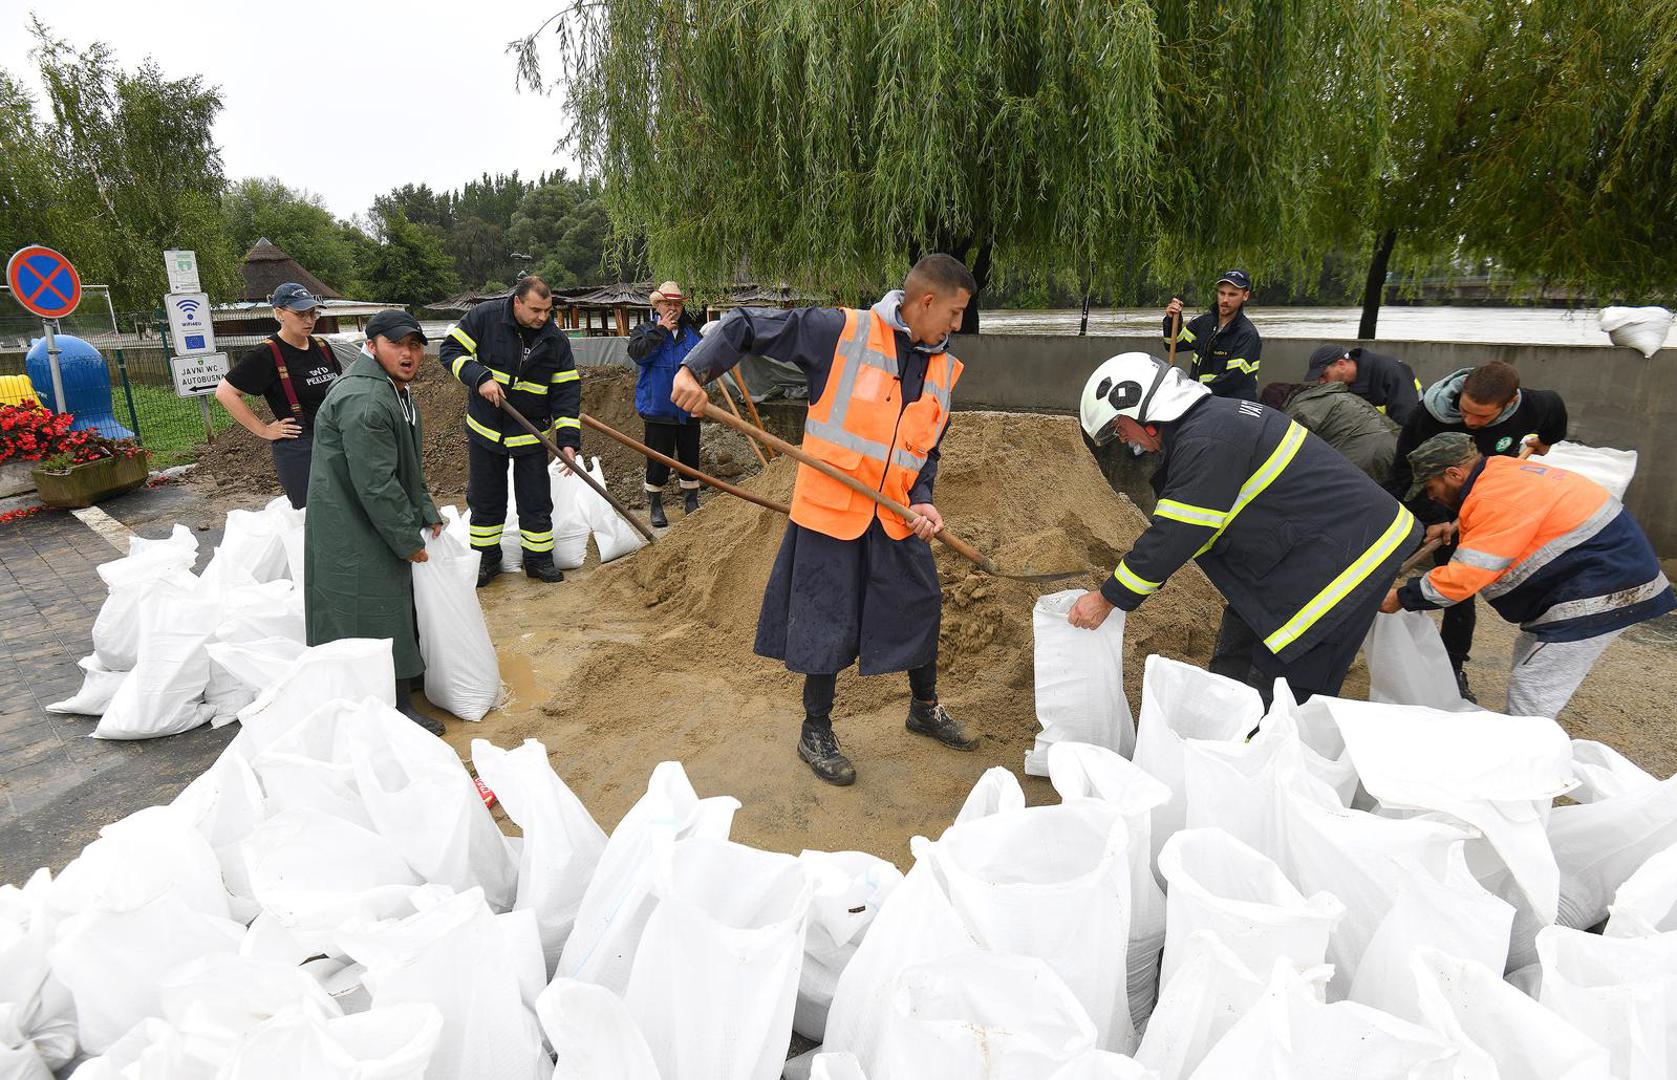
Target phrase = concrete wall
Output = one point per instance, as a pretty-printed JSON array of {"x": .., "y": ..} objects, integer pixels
[{"x": 1614, "y": 396}]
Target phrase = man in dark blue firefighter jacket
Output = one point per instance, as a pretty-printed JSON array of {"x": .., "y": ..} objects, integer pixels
[{"x": 1223, "y": 340}]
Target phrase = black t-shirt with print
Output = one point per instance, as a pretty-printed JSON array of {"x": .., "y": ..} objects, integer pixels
[{"x": 312, "y": 370}]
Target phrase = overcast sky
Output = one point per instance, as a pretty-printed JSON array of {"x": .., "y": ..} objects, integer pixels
[{"x": 346, "y": 99}]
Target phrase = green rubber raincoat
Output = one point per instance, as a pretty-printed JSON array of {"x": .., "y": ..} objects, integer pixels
[{"x": 367, "y": 509}]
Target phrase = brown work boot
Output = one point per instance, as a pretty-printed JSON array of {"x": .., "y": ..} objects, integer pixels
[
  {"x": 820, "y": 750},
  {"x": 933, "y": 720}
]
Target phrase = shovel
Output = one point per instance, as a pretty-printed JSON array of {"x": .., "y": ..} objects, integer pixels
[{"x": 961, "y": 547}]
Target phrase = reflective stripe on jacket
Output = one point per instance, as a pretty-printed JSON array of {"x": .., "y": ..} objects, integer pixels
[
  {"x": 1226, "y": 358},
  {"x": 542, "y": 384},
  {"x": 1551, "y": 550},
  {"x": 1290, "y": 532},
  {"x": 860, "y": 426}
]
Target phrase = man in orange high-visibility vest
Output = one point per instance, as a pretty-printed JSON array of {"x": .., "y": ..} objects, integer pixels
[{"x": 855, "y": 582}]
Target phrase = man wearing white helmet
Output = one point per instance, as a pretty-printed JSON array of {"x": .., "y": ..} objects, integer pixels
[{"x": 1300, "y": 542}]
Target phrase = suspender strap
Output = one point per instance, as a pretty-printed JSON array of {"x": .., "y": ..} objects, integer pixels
[{"x": 285, "y": 380}]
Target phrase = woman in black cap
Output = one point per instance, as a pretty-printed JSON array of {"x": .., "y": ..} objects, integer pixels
[{"x": 292, "y": 371}]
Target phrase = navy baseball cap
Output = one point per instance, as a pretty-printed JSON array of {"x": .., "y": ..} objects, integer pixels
[
  {"x": 394, "y": 325},
  {"x": 1322, "y": 357},
  {"x": 293, "y": 297},
  {"x": 1237, "y": 278}
]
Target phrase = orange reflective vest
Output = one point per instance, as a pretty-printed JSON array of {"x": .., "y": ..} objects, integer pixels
[{"x": 860, "y": 427}]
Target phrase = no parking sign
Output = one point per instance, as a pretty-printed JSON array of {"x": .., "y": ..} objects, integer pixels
[{"x": 44, "y": 282}]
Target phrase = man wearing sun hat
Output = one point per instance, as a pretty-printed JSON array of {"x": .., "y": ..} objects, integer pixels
[
  {"x": 658, "y": 348},
  {"x": 1224, "y": 342}
]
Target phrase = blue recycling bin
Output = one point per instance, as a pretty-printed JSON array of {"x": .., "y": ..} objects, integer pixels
[{"x": 87, "y": 384}]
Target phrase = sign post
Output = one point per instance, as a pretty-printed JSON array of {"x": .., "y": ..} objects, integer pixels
[{"x": 45, "y": 283}]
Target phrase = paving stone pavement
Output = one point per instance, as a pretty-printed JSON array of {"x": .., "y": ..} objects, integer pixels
[{"x": 57, "y": 785}]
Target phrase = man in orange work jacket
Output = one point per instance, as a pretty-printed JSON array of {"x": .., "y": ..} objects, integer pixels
[
  {"x": 1550, "y": 550},
  {"x": 854, "y": 582}
]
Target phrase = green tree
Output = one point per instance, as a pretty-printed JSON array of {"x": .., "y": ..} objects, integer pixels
[
  {"x": 563, "y": 225},
  {"x": 125, "y": 165},
  {"x": 406, "y": 265},
  {"x": 418, "y": 204},
  {"x": 491, "y": 199},
  {"x": 298, "y": 222},
  {"x": 1090, "y": 140}
]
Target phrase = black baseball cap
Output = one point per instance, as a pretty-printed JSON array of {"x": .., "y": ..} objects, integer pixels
[
  {"x": 294, "y": 297},
  {"x": 1322, "y": 357},
  {"x": 1237, "y": 278},
  {"x": 394, "y": 325}
]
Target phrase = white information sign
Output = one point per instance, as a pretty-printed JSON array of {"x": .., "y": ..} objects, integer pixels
[
  {"x": 196, "y": 376},
  {"x": 183, "y": 271},
  {"x": 190, "y": 331}
]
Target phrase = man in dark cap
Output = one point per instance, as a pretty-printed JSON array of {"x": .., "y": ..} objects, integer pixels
[
  {"x": 1383, "y": 381},
  {"x": 1223, "y": 340},
  {"x": 368, "y": 507}
]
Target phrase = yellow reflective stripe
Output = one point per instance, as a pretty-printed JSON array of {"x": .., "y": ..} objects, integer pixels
[
  {"x": 488, "y": 532},
  {"x": 529, "y": 387},
  {"x": 460, "y": 335},
  {"x": 1186, "y": 335},
  {"x": 1189, "y": 514},
  {"x": 528, "y": 535},
  {"x": 1381, "y": 409},
  {"x": 565, "y": 376},
  {"x": 1240, "y": 364},
  {"x": 1278, "y": 460},
  {"x": 459, "y": 362},
  {"x": 1208, "y": 378},
  {"x": 1348, "y": 579},
  {"x": 567, "y": 422},
  {"x": 522, "y": 440},
  {"x": 483, "y": 429},
  {"x": 500, "y": 376},
  {"x": 1417, "y": 386},
  {"x": 1133, "y": 582},
  {"x": 537, "y": 546}
]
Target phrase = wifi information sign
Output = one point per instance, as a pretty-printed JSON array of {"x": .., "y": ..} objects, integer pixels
[{"x": 190, "y": 331}]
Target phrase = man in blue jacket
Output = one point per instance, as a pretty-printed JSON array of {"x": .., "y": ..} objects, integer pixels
[
  {"x": 1225, "y": 345},
  {"x": 658, "y": 348}
]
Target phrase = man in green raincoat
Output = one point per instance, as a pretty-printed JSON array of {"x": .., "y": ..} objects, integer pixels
[{"x": 368, "y": 506}]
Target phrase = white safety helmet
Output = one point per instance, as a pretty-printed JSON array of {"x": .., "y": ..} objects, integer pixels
[{"x": 1141, "y": 387}]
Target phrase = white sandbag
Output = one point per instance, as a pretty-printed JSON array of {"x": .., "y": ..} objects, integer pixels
[
  {"x": 1521, "y": 1040},
  {"x": 1641, "y": 328},
  {"x": 224, "y": 804},
  {"x": 307, "y": 767},
  {"x": 613, "y": 536},
  {"x": 395, "y": 1042},
  {"x": 1612, "y": 469},
  {"x": 847, "y": 890},
  {"x": 1103, "y": 1065},
  {"x": 215, "y": 1001},
  {"x": 1290, "y": 1034},
  {"x": 302, "y": 862},
  {"x": 1240, "y": 787},
  {"x": 151, "y": 853},
  {"x": 419, "y": 797},
  {"x": 1080, "y": 771},
  {"x": 462, "y": 673},
  {"x": 561, "y": 845},
  {"x": 835, "y": 1067},
  {"x": 163, "y": 694},
  {"x": 255, "y": 612},
  {"x": 618, "y": 900},
  {"x": 1621, "y": 992},
  {"x": 996, "y": 792},
  {"x": 240, "y": 671},
  {"x": 351, "y": 669},
  {"x": 1210, "y": 990},
  {"x": 979, "y": 1014},
  {"x": 99, "y": 686},
  {"x": 1216, "y": 883},
  {"x": 1079, "y": 682},
  {"x": 1646, "y": 904},
  {"x": 37, "y": 1014},
  {"x": 570, "y": 527},
  {"x": 716, "y": 975},
  {"x": 482, "y": 971},
  {"x": 1178, "y": 702},
  {"x": 591, "y": 1031},
  {"x": 1050, "y": 882},
  {"x": 1407, "y": 664},
  {"x": 254, "y": 541},
  {"x": 1599, "y": 845},
  {"x": 116, "y": 629},
  {"x": 1604, "y": 773},
  {"x": 1321, "y": 749}
]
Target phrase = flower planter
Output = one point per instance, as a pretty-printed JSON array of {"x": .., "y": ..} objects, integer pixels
[
  {"x": 15, "y": 478},
  {"x": 92, "y": 481}
]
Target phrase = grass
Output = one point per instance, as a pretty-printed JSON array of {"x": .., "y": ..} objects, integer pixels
[{"x": 171, "y": 427}]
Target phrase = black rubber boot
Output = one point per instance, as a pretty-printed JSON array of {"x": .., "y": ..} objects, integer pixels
[
  {"x": 690, "y": 501},
  {"x": 1461, "y": 688},
  {"x": 404, "y": 705},
  {"x": 655, "y": 504},
  {"x": 820, "y": 750},
  {"x": 933, "y": 720},
  {"x": 488, "y": 565},
  {"x": 539, "y": 565}
]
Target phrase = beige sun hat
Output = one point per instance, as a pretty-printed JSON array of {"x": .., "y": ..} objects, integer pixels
[{"x": 669, "y": 290}]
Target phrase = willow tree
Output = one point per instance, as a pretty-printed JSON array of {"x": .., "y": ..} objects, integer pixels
[{"x": 1096, "y": 141}]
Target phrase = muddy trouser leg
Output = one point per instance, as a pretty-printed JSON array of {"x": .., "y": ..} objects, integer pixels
[
  {"x": 818, "y": 700},
  {"x": 1231, "y": 655},
  {"x": 687, "y": 451},
  {"x": 661, "y": 437},
  {"x": 486, "y": 496},
  {"x": 291, "y": 466},
  {"x": 1546, "y": 673},
  {"x": 1459, "y": 619}
]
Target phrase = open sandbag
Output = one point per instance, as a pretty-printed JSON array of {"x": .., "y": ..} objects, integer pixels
[
  {"x": 163, "y": 695},
  {"x": 254, "y": 541},
  {"x": 1181, "y": 702},
  {"x": 847, "y": 890},
  {"x": 619, "y": 897},
  {"x": 1612, "y": 469},
  {"x": 37, "y": 1013},
  {"x": 613, "y": 536},
  {"x": 462, "y": 672},
  {"x": 1599, "y": 845},
  {"x": 591, "y": 1031},
  {"x": 716, "y": 975},
  {"x": 351, "y": 669},
  {"x": 995, "y": 792},
  {"x": 116, "y": 629},
  {"x": 1604, "y": 773},
  {"x": 1621, "y": 992},
  {"x": 1407, "y": 664},
  {"x": 1646, "y": 904},
  {"x": 561, "y": 841},
  {"x": 570, "y": 527},
  {"x": 395, "y": 1042},
  {"x": 1079, "y": 682}
]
